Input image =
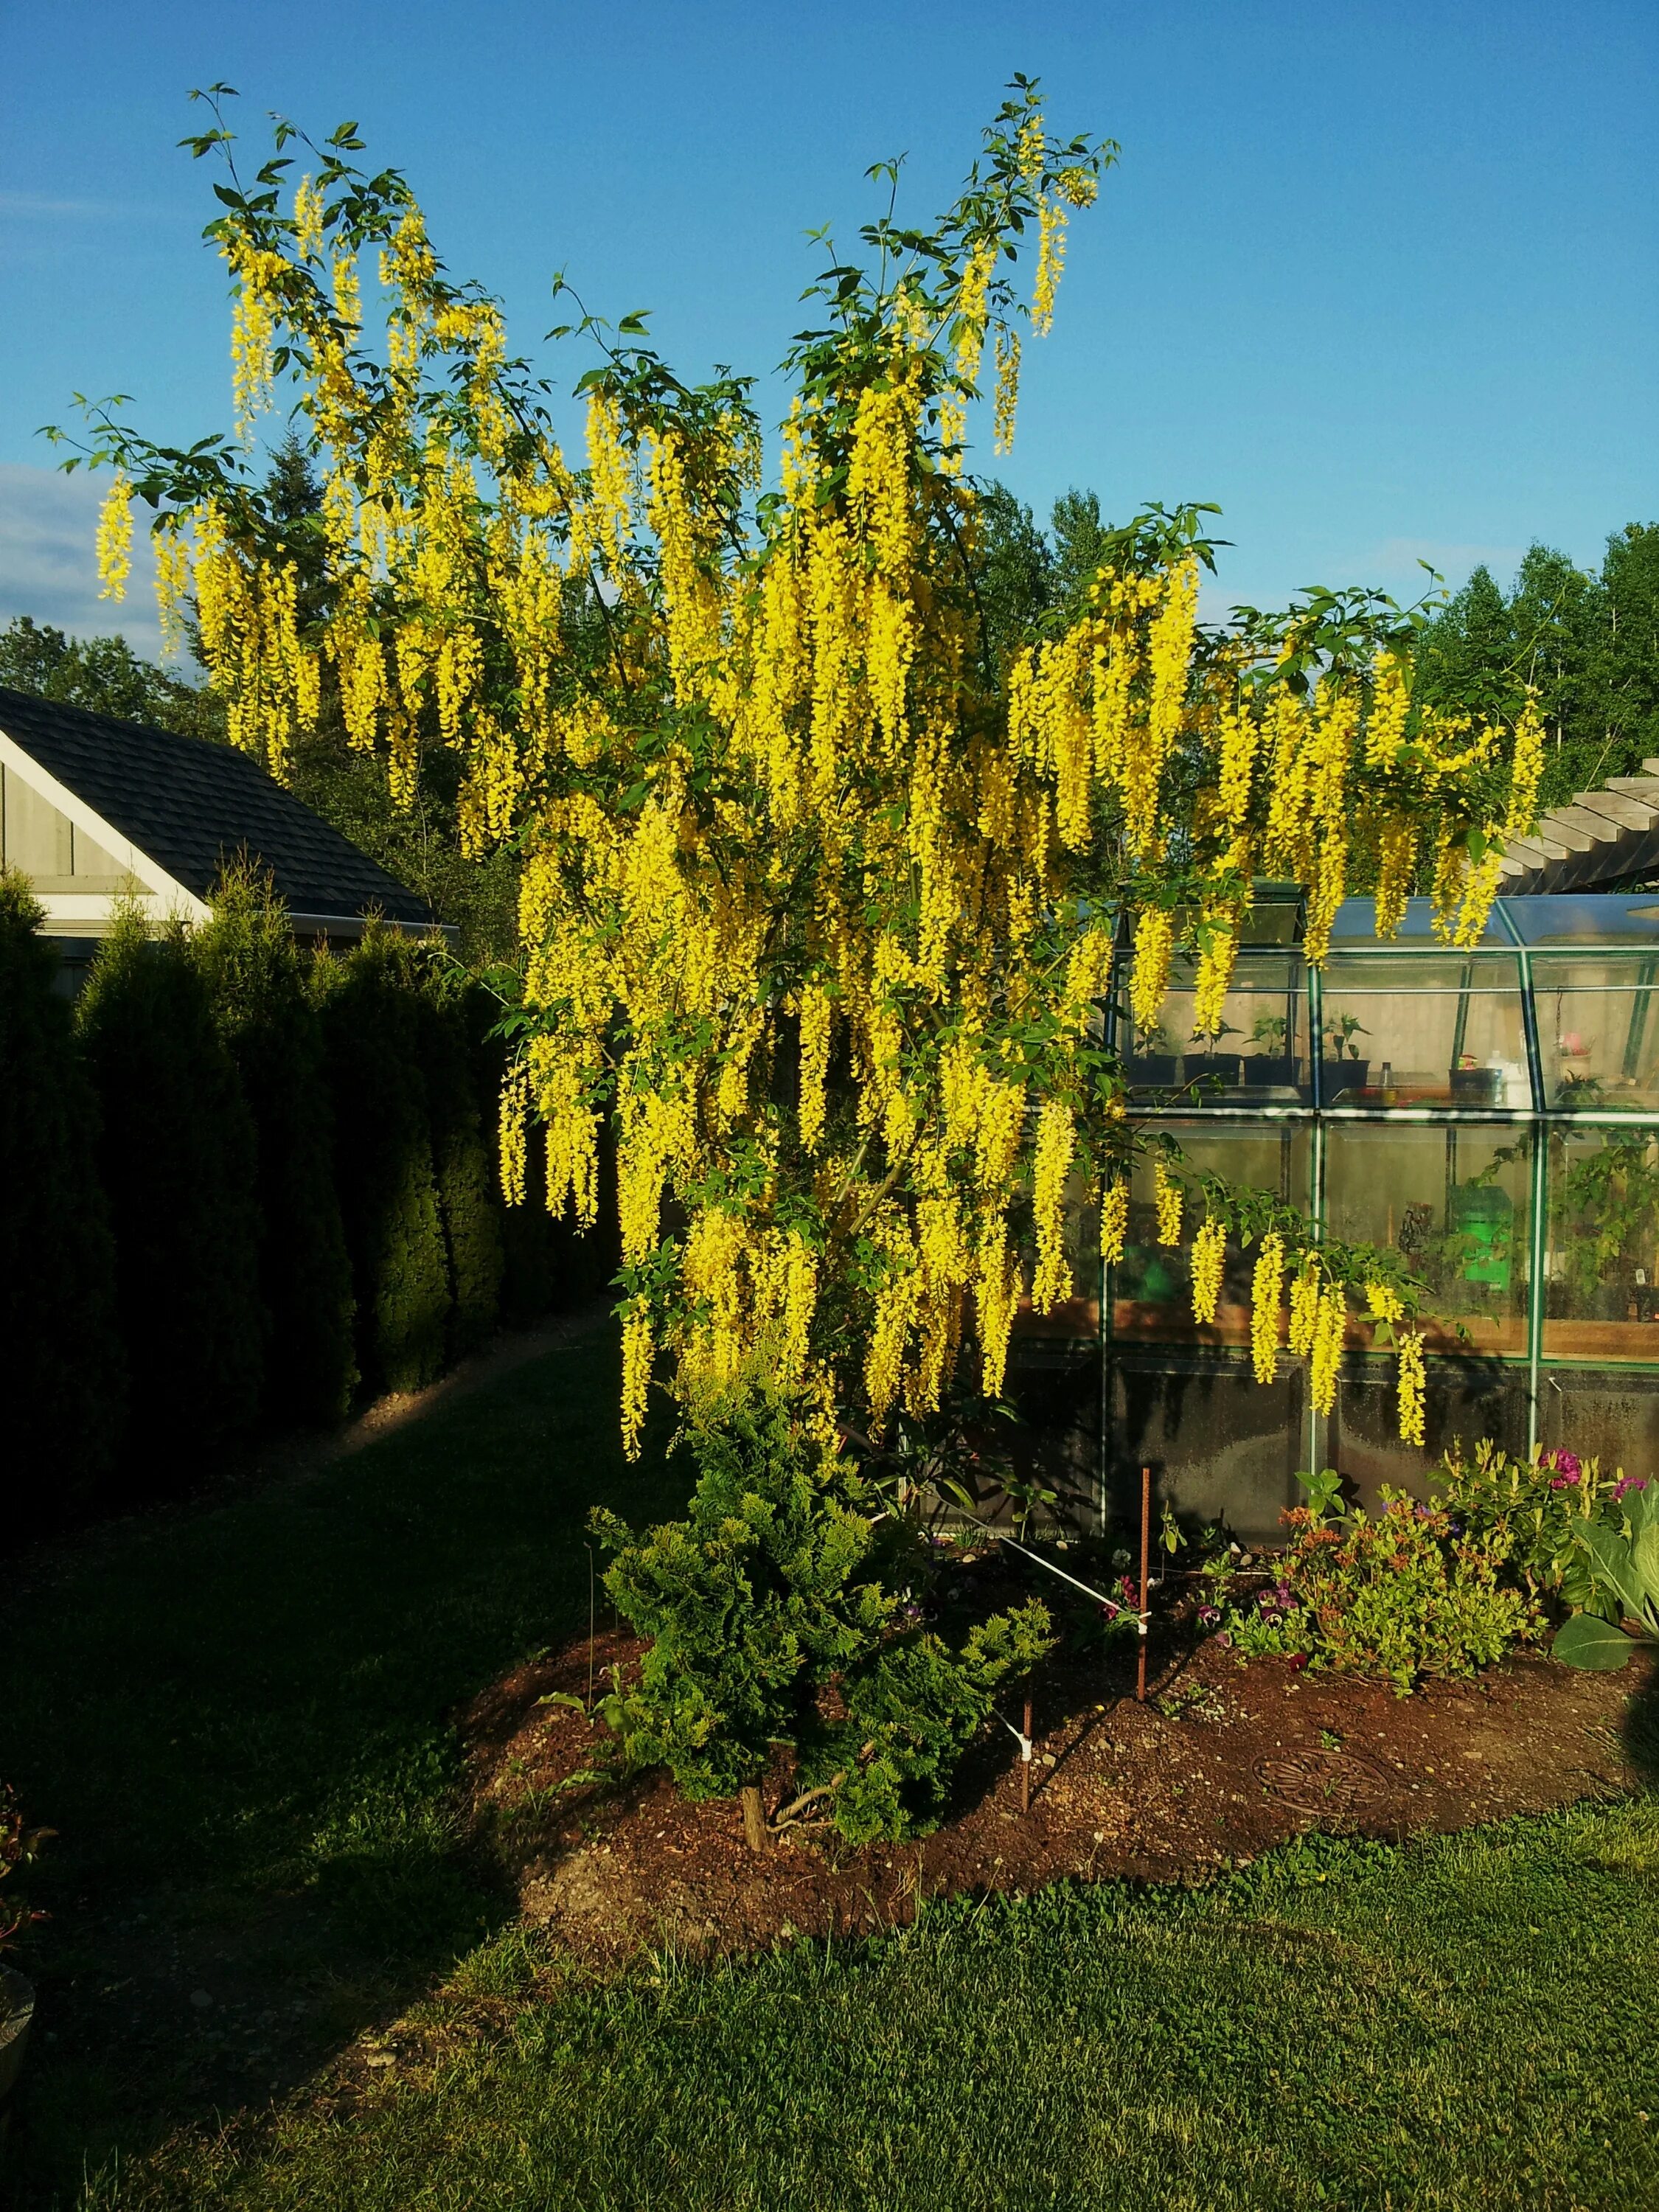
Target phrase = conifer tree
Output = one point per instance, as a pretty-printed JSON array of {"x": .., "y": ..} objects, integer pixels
[
  {"x": 383, "y": 1164},
  {"x": 66, "y": 1375},
  {"x": 179, "y": 1163},
  {"x": 268, "y": 1020}
]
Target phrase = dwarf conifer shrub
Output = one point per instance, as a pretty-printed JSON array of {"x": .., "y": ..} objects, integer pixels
[
  {"x": 66, "y": 1380},
  {"x": 776, "y": 1615},
  {"x": 269, "y": 1022},
  {"x": 178, "y": 1161},
  {"x": 383, "y": 1173}
]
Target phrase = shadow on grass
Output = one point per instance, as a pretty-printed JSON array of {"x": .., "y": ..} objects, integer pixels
[{"x": 241, "y": 1724}]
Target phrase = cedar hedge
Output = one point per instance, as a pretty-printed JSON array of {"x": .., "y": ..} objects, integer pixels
[{"x": 240, "y": 1187}]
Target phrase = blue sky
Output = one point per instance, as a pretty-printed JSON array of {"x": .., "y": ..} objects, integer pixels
[{"x": 1378, "y": 275}]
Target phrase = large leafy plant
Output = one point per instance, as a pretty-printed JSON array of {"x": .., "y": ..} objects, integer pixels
[
  {"x": 1622, "y": 1549},
  {"x": 778, "y": 1618}
]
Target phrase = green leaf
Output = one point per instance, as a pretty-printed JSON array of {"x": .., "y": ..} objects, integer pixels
[{"x": 1584, "y": 1641}]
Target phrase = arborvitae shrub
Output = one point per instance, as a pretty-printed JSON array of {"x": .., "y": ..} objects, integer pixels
[
  {"x": 382, "y": 1163},
  {"x": 66, "y": 1377},
  {"x": 269, "y": 1022},
  {"x": 469, "y": 1202},
  {"x": 179, "y": 1164}
]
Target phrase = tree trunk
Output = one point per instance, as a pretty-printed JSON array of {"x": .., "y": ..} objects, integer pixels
[{"x": 754, "y": 1818}]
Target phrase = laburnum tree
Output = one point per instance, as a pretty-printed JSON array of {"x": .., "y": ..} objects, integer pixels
[{"x": 822, "y": 875}]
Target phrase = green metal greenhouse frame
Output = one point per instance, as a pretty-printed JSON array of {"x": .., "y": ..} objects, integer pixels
[{"x": 1533, "y": 1050}]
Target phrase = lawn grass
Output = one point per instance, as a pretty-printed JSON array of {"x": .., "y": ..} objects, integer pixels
[
  {"x": 240, "y": 1722},
  {"x": 1465, "y": 2022}
]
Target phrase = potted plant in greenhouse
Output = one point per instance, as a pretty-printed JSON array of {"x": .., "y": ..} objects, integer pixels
[
  {"x": 1343, "y": 1069},
  {"x": 1154, "y": 1064},
  {"x": 822, "y": 889},
  {"x": 18, "y": 1848},
  {"x": 1270, "y": 1064}
]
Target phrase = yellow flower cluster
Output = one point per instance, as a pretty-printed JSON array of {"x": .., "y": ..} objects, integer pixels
[
  {"x": 1266, "y": 1289},
  {"x": 246, "y": 613},
  {"x": 1209, "y": 1256},
  {"x": 1413, "y": 1383},
  {"x": 115, "y": 539},
  {"x": 1113, "y": 1220},
  {"x": 1166, "y": 1198},
  {"x": 1055, "y": 1143},
  {"x": 1330, "y": 1332}
]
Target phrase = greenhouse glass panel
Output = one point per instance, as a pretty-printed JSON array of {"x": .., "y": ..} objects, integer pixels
[
  {"x": 1355, "y": 927},
  {"x": 1455, "y": 1202},
  {"x": 1260, "y": 1056},
  {"x": 1152, "y": 1286},
  {"x": 1423, "y": 1029},
  {"x": 1598, "y": 1031},
  {"x": 1602, "y": 1259},
  {"x": 1564, "y": 918}
]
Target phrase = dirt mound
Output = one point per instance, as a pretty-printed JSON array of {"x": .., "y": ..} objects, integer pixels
[{"x": 1221, "y": 1763}]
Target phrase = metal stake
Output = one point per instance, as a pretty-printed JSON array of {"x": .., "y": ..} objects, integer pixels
[{"x": 1143, "y": 1593}]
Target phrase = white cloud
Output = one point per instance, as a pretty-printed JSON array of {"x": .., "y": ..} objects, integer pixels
[{"x": 48, "y": 561}]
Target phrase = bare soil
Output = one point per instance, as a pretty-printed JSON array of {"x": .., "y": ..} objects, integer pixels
[{"x": 1222, "y": 1762}]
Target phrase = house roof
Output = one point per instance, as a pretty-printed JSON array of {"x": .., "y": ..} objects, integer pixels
[{"x": 192, "y": 806}]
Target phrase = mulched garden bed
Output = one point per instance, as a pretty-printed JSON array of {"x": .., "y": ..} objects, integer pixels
[{"x": 1223, "y": 1761}]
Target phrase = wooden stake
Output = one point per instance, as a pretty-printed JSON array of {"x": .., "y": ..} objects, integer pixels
[
  {"x": 1026, "y": 1759},
  {"x": 1145, "y": 1565},
  {"x": 754, "y": 1818}
]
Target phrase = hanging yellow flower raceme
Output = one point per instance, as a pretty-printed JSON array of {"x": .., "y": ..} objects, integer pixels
[
  {"x": 1330, "y": 1330},
  {"x": 1413, "y": 1384},
  {"x": 1166, "y": 1198},
  {"x": 1304, "y": 1309},
  {"x": 1209, "y": 1255},
  {"x": 115, "y": 539},
  {"x": 1266, "y": 1289},
  {"x": 1113, "y": 1220}
]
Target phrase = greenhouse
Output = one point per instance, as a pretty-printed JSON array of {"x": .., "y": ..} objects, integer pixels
[{"x": 1490, "y": 1114}]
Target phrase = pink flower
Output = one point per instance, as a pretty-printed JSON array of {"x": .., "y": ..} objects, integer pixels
[
  {"x": 1626, "y": 1483},
  {"x": 1569, "y": 1469}
]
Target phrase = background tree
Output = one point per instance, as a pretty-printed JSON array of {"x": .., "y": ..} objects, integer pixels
[
  {"x": 106, "y": 676},
  {"x": 267, "y": 1021},
  {"x": 177, "y": 1158},
  {"x": 65, "y": 1373},
  {"x": 1587, "y": 642}
]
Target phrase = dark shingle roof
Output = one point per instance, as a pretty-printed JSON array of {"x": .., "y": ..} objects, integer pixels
[{"x": 192, "y": 805}]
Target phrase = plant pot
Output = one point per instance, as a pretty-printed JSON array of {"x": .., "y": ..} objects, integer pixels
[
  {"x": 1152, "y": 1071},
  {"x": 1337, "y": 1075},
  {"x": 1478, "y": 1086},
  {"x": 1214, "y": 1070},
  {"x": 1275, "y": 1071},
  {"x": 17, "y": 2017}
]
